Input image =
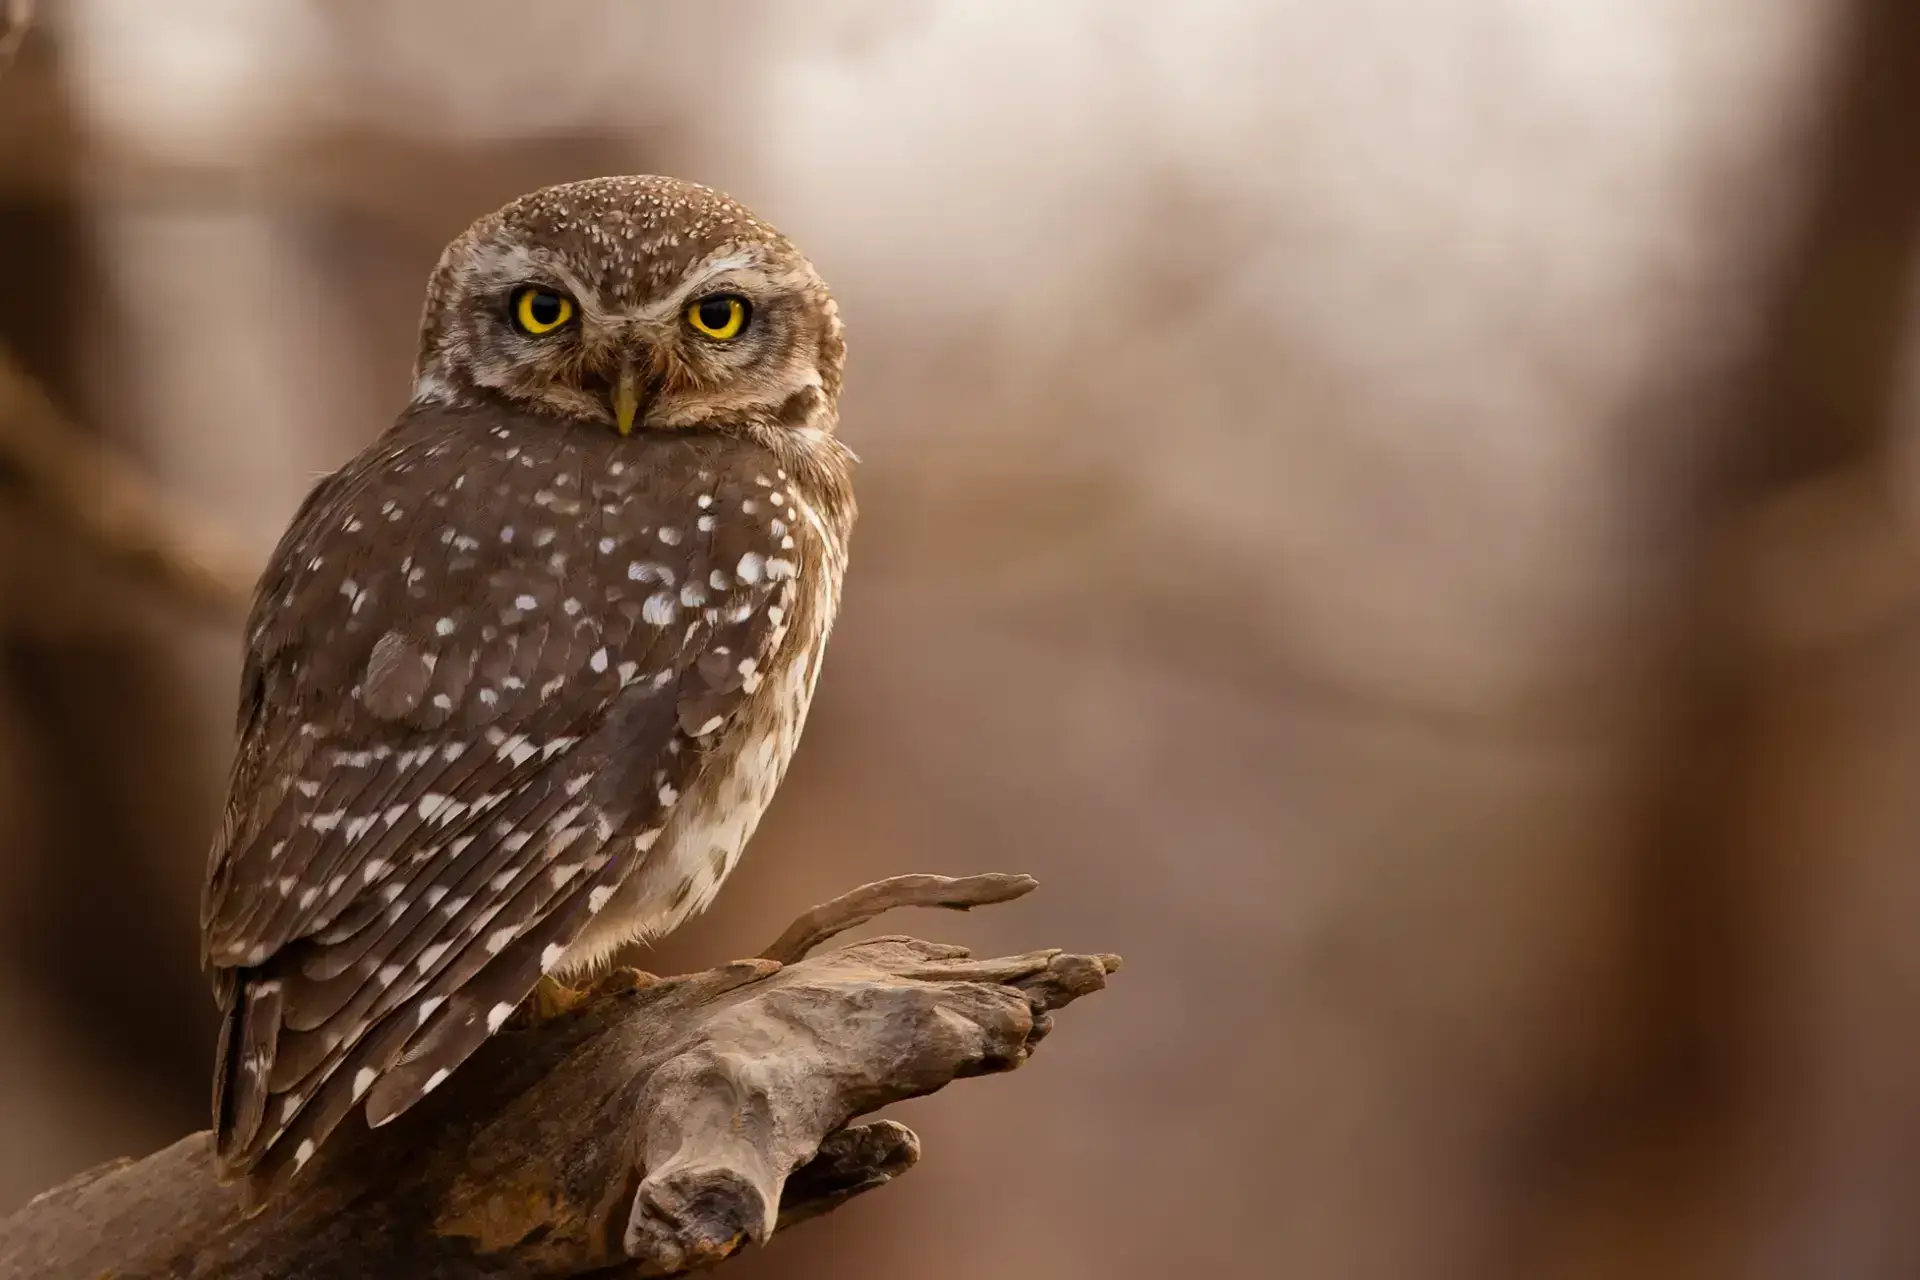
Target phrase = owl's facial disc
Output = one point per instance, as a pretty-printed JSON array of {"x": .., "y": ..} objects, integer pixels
[{"x": 642, "y": 304}]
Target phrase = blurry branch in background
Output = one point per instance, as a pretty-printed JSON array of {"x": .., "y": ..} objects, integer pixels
[
  {"x": 1823, "y": 540},
  {"x": 656, "y": 1127},
  {"x": 91, "y": 491},
  {"x": 16, "y": 19},
  {"x": 101, "y": 499}
]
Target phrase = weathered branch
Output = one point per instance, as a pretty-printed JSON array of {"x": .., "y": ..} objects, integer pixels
[
  {"x": 104, "y": 501},
  {"x": 16, "y": 19},
  {"x": 855, "y": 908},
  {"x": 659, "y": 1126}
]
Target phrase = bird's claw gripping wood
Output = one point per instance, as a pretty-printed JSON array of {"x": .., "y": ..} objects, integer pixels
[
  {"x": 550, "y": 1000},
  {"x": 660, "y": 1126}
]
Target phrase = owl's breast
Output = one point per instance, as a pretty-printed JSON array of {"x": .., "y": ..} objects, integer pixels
[{"x": 713, "y": 821}]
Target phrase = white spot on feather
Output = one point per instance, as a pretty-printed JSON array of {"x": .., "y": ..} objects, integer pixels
[
  {"x": 659, "y": 609},
  {"x": 517, "y": 749},
  {"x": 323, "y": 821}
]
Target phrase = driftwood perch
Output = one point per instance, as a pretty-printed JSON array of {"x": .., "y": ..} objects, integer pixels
[{"x": 658, "y": 1126}]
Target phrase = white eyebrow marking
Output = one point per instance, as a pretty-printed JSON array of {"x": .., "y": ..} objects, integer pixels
[
  {"x": 698, "y": 278},
  {"x": 721, "y": 264}
]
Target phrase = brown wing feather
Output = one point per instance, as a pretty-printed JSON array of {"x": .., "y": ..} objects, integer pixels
[{"x": 479, "y": 673}]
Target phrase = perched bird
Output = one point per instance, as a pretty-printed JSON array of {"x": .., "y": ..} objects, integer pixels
[{"x": 522, "y": 676}]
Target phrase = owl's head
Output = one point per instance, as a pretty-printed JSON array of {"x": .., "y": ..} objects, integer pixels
[{"x": 645, "y": 303}]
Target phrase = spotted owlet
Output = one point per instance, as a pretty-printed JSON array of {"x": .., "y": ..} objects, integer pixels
[{"x": 522, "y": 676}]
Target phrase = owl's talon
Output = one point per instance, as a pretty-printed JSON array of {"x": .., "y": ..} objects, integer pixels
[{"x": 550, "y": 1000}]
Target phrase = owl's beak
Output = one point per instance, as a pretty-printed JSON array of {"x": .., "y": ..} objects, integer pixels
[{"x": 626, "y": 397}]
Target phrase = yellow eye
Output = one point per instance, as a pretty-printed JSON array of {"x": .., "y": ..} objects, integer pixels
[
  {"x": 538, "y": 311},
  {"x": 719, "y": 316}
]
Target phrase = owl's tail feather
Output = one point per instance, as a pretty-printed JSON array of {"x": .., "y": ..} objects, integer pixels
[
  {"x": 399, "y": 1054},
  {"x": 243, "y": 1061}
]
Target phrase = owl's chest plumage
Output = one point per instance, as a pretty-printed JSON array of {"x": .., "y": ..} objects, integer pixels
[{"x": 703, "y": 841}]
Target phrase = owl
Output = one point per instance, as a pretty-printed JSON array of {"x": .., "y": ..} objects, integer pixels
[{"x": 523, "y": 675}]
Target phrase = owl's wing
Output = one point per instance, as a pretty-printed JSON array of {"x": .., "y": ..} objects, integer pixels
[{"x": 475, "y": 688}]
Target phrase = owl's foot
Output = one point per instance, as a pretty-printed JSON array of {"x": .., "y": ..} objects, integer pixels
[{"x": 550, "y": 1000}]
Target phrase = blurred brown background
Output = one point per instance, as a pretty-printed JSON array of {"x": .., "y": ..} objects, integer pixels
[{"x": 1402, "y": 514}]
